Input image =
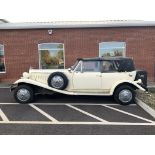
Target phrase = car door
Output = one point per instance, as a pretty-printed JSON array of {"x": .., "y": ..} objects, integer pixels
[
  {"x": 109, "y": 75},
  {"x": 87, "y": 77}
]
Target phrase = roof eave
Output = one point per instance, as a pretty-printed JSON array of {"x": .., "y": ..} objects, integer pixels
[{"x": 7, "y": 26}]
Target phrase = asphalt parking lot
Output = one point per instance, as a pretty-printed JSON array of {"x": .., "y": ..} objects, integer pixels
[{"x": 61, "y": 114}]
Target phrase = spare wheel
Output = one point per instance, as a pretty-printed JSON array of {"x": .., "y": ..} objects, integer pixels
[{"x": 57, "y": 80}]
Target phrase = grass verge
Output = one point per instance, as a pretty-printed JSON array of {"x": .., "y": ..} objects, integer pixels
[{"x": 147, "y": 97}]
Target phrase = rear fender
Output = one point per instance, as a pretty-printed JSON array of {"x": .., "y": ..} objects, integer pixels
[{"x": 133, "y": 84}]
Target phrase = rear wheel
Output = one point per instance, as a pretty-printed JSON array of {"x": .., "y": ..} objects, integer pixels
[
  {"x": 124, "y": 95},
  {"x": 23, "y": 94}
]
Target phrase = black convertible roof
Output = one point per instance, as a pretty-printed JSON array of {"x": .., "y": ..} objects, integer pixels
[{"x": 104, "y": 58}]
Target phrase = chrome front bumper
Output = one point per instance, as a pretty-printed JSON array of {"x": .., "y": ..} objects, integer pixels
[{"x": 13, "y": 86}]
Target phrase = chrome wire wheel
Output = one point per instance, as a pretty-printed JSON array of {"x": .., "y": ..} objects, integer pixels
[
  {"x": 23, "y": 94},
  {"x": 125, "y": 95},
  {"x": 57, "y": 82}
]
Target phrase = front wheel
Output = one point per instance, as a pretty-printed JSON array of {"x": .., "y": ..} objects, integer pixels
[
  {"x": 23, "y": 94},
  {"x": 124, "y": 95}
]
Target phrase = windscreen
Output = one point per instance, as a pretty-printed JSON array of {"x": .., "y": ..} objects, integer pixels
[{"x": 73, "y": 67}]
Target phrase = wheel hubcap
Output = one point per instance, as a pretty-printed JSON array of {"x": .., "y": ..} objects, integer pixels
[
  {"x": 23, "y": 94},
  {"x": 125, "y": 96},
  {"x": 57, "y": 82}
]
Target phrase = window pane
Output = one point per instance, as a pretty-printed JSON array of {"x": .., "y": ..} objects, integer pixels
[
  {"x": 112, "y": 44},
  {"x": 2, "y": 59},
  {"x": 91, "y": 66},
  {"x": 51, "y": 59},
  {"x": 107, "y": 66},
  {"x": 111, "y": 52},
  {"x": 51, "y": 55},
  {"x": 112, "y": 49},
  {"x": 1, "y": 53},
  {"x": 50, "y": 46},
  {"x": 1, "y": 48}
]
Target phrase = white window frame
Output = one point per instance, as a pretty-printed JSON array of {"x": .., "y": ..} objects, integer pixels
[
  {"x": 52, "y": 49},
  {"x": 124, "y": 54},
  {"x": 4, "y": 60}
]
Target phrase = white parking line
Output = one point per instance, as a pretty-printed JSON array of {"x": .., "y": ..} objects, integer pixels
[
  {"x": 86, "y": 113},
  {"x": 3, "y": 116},
  {"x": 5, "y": 120},
  {"x": 113, "y": 104},
  {"x": 130, "y": 105},
  {"x": 43, "y": 113},
  {"x": 77, "y": 123},
  {"x": 69, "y": 103},
  {"x": 8, "y": 103},
  {"x": 3, "y": 87},
  {"x": 60, "y": 103},
  {"x": 130, "y": 114},
  {"x": 73, "y": 104}
]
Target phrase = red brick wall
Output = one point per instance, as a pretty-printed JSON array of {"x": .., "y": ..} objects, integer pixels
[{"x": 21, "y": 46}]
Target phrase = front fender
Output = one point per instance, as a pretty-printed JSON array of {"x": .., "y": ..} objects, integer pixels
[
  {"x": 134, "y": 83},
  {"x": 35, "y": 83}
]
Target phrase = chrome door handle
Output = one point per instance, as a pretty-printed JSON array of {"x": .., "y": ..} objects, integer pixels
[{"x": 130, "y": 75}]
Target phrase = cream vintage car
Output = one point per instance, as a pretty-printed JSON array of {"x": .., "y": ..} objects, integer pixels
[{"x": 115, "y": 77}]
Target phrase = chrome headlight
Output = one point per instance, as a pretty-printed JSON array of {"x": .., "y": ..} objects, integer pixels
[
  {"x": 139, "y": 81},
  {"x": 26, "y": 75}
]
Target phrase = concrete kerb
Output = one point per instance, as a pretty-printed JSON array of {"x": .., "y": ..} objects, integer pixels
[
  {"x": 151, "y": 85},
  {"x": 147, "y": 108},
  {"x": 4, "y": 85}
]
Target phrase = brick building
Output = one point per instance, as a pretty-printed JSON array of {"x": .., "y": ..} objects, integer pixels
[{"x": 58, "y": 44}]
